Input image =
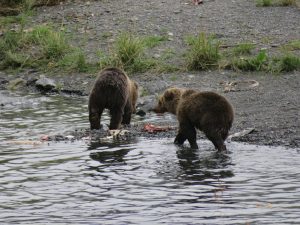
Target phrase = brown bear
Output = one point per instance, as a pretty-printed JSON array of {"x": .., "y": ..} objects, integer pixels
[
  {"x": 206, "y": 111},
  {"x": 112, "y": 90}
]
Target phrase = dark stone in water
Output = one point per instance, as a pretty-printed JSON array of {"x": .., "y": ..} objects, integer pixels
[{"x": 45, "y": 84}]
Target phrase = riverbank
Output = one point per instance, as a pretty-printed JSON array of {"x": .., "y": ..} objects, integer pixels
[{"x": 271, "y": 108}]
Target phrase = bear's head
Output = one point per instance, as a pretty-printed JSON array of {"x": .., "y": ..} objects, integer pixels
[{"x": 168, "y": 101}]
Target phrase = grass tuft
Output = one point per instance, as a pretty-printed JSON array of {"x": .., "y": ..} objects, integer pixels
[
  {"x": 203, "y": 52},
  {"x": 153, "y": 41},
  {"x": 287, "y": 2},
  {"x": 263, "y": 2},
  {"x": 40, "y": 46},
  {"x": 243, "y": 49},
  {"x": 275, "y": 2},
  {"x": 253, "y": 63},
  {"x": 288, "y": 62},
  {"x": 53, "y": 44},
  {"x": 292, "y": 45},
  {"x": 128, "y": 53}
]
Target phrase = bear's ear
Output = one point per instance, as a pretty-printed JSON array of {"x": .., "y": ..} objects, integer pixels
[{"x": 169, "y": 95}]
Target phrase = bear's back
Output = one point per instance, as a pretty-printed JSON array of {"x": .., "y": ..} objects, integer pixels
[
  {"x": 206, "y": 107},
  {"x": 110, "y": 88}
]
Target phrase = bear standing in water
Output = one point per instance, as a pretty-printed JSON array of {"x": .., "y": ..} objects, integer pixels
[
  {"x": 112, "y": 90},
  {"x": 206, "y": 111}
]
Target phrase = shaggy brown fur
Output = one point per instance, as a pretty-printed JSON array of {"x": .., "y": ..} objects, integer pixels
[
  {"x": 112, "y": 90},
  {"x": 206, "y": 111}
]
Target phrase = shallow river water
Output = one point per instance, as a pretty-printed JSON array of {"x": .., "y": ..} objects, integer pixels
[{"x": 140, "y": 181}]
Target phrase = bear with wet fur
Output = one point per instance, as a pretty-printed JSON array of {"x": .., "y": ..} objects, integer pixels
[
  {"x": 112, "y": 90},
  {"x": 206, "y": 111}
]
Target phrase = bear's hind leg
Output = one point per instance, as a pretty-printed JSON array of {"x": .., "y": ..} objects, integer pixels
[
  {"x": 94, "y": 118},
  {"x": 216, "y": 139},
  {"x": 191, "y": 136},
  {"x": 127, "y": 114},
  {"x": 115, "y": 120},
  {"x": 186, "y": 131},
  {"x": 180, "y": 139}
]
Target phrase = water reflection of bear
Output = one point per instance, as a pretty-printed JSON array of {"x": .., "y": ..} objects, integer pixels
[
  {"x": 195, "y": 166},
  {"x": 203, "y": 171},
  {"x": 113, "y": 152}
]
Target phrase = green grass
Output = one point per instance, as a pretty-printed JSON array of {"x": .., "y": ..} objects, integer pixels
[
  {"x": 263, "y": 2},
  {"x": 153, "y": 41},
  {"x": 76, "y": 61},
  {"x": 129, "y": 49},
  {"x": 275, "y": 2},
  {"x": 292, "y": 45},
  {"x": 45, "y": 48},
  {"x": 203, "y": 52},
  {"x": 286, "y": 63},
  {"x": 287, "y": 2},
  {"x": 40, "y": 47},
  {"x": 261, "y": 62},
  {"x": 243, "y": 49},
  {"x": 128, "y": 53},
  {"x": 251, "y": 63}
]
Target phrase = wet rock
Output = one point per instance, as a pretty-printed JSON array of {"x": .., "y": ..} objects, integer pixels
[
  {"x": 31, "y": 81},
  {"x": 45, "y": 84},
  {"x": 3, "y": 82},
  {"x": 145, "y": 104},
  {"x": 16, "y": 84}
]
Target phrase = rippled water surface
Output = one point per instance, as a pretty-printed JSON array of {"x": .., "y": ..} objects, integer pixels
[{"x": 138, "y": 182}]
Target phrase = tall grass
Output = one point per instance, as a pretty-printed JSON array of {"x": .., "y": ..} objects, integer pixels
[
  {"x": 128, "y": 53},
  {"x": 287, "y": 2},
  {"x": 129, "y": 49},
  {"x": 52, "y": 43},
  {"x": 40, "y": 46},
  {"x": 252, "y": 63},
  {"x": 243, "y": 49},
  {"x": 287, "y": 62},
  {"x": 203, "y": 52},
  {"x": 263, "y": 2}
]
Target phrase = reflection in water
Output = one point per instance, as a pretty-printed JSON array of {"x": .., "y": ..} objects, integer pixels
[
  {"x": 110, "y": 152},
  {"x": 110, "y": 156},
  {"x": 198, "y": 167}
]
